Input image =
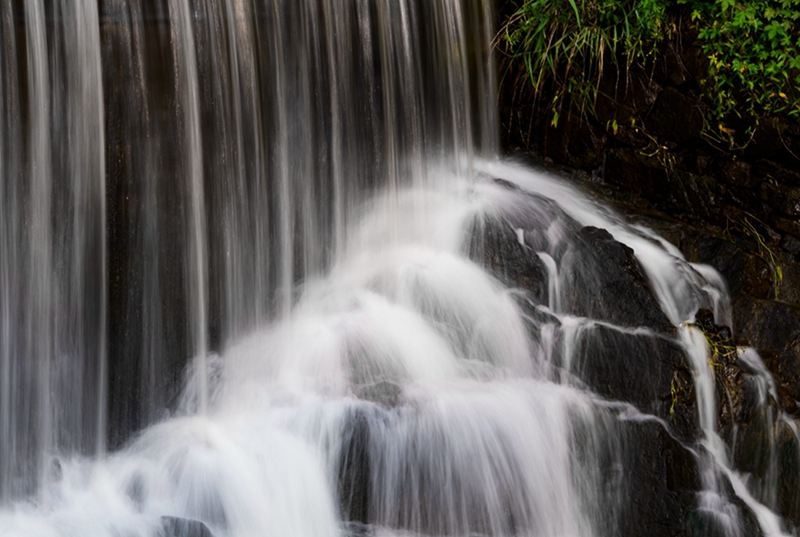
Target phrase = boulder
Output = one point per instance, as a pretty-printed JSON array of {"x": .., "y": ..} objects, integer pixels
[
  {"x": 354, "y": 468},
  {"x": 182, "y": 527},
  {"x": 743, "y": 270},
  {"x": 601, "y": 279},
  {"x": 356, "y": 529},
  {"x": 788, "y": 452},
  {"x": 786, "y": 370},
  {"x": 753, "y": 447},
  {"x": 773, "y": 328},
  {"x": 384, "y": 393},
  {"x": 661, "y": 479},
  {"x": 507, "y": 244},
  {"x": 610, "y": 361},
  {"x": 494, "y": 243}
]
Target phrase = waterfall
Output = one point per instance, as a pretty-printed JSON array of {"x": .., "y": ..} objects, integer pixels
[
  {"x": 52, "y": 240},
  {"x": 263, "y": 272}
]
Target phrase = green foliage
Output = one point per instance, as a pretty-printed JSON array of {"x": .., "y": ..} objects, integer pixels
[
  {"x": 568, "y": 42},
  {"x": 752, "y": 46},
  {"x": 753, "y": 49},
  {"x": 720, "y": 351}
]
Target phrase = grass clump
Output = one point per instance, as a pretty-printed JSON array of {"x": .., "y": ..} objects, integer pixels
[{"x": 569, "y": 43}]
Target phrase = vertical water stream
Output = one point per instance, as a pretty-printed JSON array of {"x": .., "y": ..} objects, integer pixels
[{"x": 52, "y": 239}]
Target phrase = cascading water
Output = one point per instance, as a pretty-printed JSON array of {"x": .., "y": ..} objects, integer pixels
[{"x": 294, "y": 207}]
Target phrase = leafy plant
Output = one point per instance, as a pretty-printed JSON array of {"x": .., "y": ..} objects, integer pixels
[
  {"x": 753, "y": 50},
  {"x": 721, "y": 349},
  {"x": 568, "y": 43}
]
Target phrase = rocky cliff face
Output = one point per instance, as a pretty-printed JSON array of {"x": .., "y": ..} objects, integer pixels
[{"x": 734, "y": 205}]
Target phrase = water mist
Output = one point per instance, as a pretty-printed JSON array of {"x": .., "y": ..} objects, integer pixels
[{"x": 262, "y": 272}]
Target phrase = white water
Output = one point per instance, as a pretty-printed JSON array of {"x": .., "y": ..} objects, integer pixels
[
  {"x": 412, "y": 343},
  {"x": 301, "y": 193}
]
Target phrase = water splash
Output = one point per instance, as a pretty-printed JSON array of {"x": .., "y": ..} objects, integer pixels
[{"x": 304, "y": 205}]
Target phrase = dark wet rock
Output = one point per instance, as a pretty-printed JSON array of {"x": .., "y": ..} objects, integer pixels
[
  {"x": 785, "y": 199},
  {"x": 354, "y": 468},
  {"x": 662, "y": 481},
  {"x": 747, "y": 518},
  {"x": 786, "y": 370},
  {"x": 384, "y": 393},
  {"x": 789, "y": 288},
  {"x": 767, "y": 325},
  {"x": 697, "y": 195},
  {"x": 743, "y": 270},
  {"x": 675, "y": 116},
  {"x": 642, "y": 174},
  {"x": 703, "y": 522},
  {"x": 791, "y": 244},
  {"x": 788, "y": 452},
  {"x": 773, "y": 329},
  {"x": 788, "y": 225},
  {"x": 183, "y": 527},
  {"x": 602, "y": 279},
  {"x": 608, "y": 360},
  {"x": 738, "y": 173},
  {"x": 747, "y": 522},
  {"x": 544, "y": 224},
  {"x": 767, "y": 169},
  {"x": 541, "y": 316},
  {"x": 495, "y": 244},
  {"x": 704, "y": 319},
  {"x": 752, "y": 446},
  {"x": 674, "y": 190},
  {"x": 356, "y": 529}
]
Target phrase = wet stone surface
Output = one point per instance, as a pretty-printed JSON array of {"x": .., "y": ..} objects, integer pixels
[{"x": 604, "y": 281}]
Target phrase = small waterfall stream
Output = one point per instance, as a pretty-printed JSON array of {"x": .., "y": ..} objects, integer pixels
[{"x": 262, "y": 272}]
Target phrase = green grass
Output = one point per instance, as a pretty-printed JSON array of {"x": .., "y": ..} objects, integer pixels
[
  {"x": 569, "y": 43},
  {"x": 752, "y": 46}
]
